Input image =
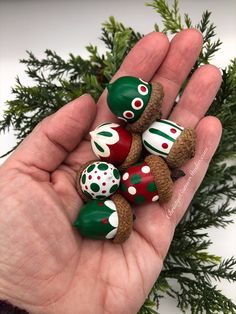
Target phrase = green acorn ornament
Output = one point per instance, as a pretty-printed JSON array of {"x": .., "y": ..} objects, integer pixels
[
  {"x": 107, "y": 219},
  {"x": 135, "y": 101},
  {"x": 171, "y": 141}
]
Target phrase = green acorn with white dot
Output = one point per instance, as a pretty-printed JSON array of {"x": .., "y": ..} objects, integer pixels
[{"x": 135, "y": 101}]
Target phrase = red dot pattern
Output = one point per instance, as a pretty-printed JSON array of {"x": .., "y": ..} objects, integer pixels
[
  {"x": 104, "y": 221},
  {"x": 172, "y": 130},
  {"x": 138, "y": 103},
  {"x": 165, "y": 145},
  {"x": 143, "y": 88},
  {"x": 129, "y": 115}
]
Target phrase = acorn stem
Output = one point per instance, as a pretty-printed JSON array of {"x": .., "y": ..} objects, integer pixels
[{"x": 176, "y": 174}]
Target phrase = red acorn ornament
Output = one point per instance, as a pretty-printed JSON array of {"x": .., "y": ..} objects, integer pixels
[
  {"x": 114, "y": 144},
  {"x": 171, "y": 141},
  {"x": 135, "y": 101},
  {"x": 97, "y": 180},
  {"x": 107, "y": 219},
  {"x": 147, "y": 181}
]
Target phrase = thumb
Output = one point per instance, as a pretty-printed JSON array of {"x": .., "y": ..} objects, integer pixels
[{"x": 57, "y": 135}]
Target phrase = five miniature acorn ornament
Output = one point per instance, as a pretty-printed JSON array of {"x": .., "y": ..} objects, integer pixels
[
  {"x": 135, "y": 101},
  {"x": 97, "y": 180},
  {"x": 106, "y": 219},
  {"x": 114, "y": 144},
  {"x": 147, "y": 181},
  {"x": 170, "y": 141}
]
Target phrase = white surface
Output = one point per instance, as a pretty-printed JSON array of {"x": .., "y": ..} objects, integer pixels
[{"x": 68, "y": 26}]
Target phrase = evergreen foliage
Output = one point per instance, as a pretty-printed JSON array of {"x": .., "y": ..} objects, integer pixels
[{"x": 57, "y": 81}]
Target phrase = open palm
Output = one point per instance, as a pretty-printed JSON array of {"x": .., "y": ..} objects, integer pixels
[{"x": 45, "y": 266}]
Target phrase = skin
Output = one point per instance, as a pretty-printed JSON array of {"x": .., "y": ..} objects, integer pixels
[{"x": 45, "y": 266}]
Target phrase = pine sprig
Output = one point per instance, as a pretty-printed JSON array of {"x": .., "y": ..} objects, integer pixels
[
  {"x": 56, "y": 81},
  {"x": 171, "y": 17}
]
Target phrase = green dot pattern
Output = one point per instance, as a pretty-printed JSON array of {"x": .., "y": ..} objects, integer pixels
[
  {"x": 84, "y": 178},
  {"x": 87, "y": 194},
  {"x": 116, "y": 174},
  {"x": 139, "y": 199},
  {"x": 100, "y": 197},
  {"x": 90, "y": 168},
  {"x": 114, "y": 188},
  {"x": 136, "y": 179},
  {"x": 94, "y": 187},
  {"x": 151, "y": 187},
  {"x": 123, "y": 187},
  {"x": 102, "y": 166}
]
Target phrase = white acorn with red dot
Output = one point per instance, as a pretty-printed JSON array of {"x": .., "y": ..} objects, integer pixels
[
  {"x": 171, "y": 141},
  {"x": 97, "y": 180}
]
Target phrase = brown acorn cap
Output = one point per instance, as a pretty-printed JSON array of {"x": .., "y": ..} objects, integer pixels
[
  {"x": 125, "y": 216},
  {"x": 78, "y": 177},
  {"x": 134, "y": 152},
  {"x": 161, "y": 174},
  {"x": 152, "y": 110},
  {"x": 182, "y": 149}
]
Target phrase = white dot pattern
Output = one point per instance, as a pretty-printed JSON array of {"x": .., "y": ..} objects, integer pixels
[
  {"x": 132, "y": 190},
  {"x": 155, "y": 198},
  {"x": 145, "y": 169},
  {"x": 137, "y": 103},
  {"x": 128, "y": 114},
  {"x": 125, "y": 176},
  {"x": 142, "y": 89}
]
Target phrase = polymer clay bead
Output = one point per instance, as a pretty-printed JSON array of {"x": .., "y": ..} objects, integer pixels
[
  {"x": 114, "y": 144},
  {"x": 135, "y": 101},
  {"x": 147, "y": 181},
  {"x": 106, "y": 219},
  {"x": 97, "y": 180},
  {"x": 171, "y": 141}
]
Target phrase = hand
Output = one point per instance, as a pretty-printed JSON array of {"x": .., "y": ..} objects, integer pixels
[{"x": 45, "y": 266}]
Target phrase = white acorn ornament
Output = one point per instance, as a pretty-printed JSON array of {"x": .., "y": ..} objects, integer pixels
[
  {"x": 114, "y": 144},
  {"x": 97, "y": 180},
  {"x": 171, "y": 141}
]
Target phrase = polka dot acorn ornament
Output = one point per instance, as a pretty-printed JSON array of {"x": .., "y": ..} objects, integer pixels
[
  {"x": 147, "y": 181},
  {"x": 106, "y": 219},
  {"x": 114, "y": 144},
  {"x": 135, "y": 101},
  {"x": 97, "y": 180},
  {"x": 171, "y": 141}
]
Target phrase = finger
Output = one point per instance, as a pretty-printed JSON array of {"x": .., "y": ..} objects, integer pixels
[
  {"x": 183, "y": 53},
  {"x": 57, "y": 135},
  {"x": 208, "y": 136},
  {"x": 157, "y": 224},
  {"x": 142, "y": 61},
  {"x": 64, "y": 182},
  {"x": 197, "y": 96}
]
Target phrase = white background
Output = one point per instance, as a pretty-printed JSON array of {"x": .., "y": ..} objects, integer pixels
[{"x": 68, "y": 26}]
